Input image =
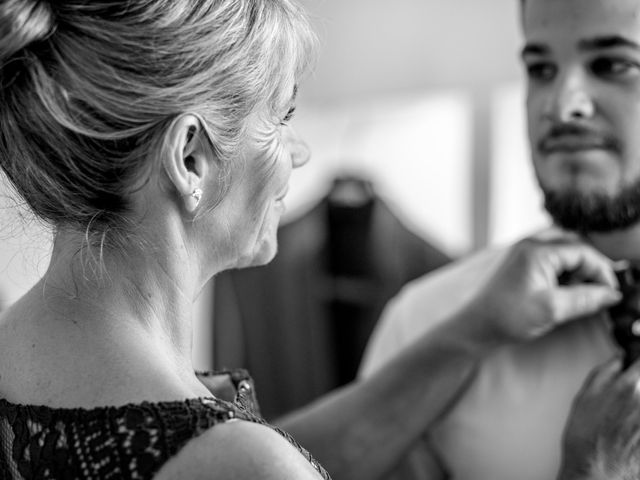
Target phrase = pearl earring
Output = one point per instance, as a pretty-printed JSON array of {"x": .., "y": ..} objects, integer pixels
[{"x": 197, "y": 194}]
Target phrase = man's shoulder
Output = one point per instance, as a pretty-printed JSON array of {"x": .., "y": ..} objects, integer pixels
[
  {"x": 450, "y": 284},
  {"x": 426, "y": 302},
  {"x": 510, "y": 420}
]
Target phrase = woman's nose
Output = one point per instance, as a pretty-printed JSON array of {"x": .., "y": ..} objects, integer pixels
[{"x": 299, "y": 150}]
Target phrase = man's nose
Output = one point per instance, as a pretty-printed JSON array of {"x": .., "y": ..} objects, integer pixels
[
  {"x": 298, "y": 148},
  {"x": 571, "y": 99}
]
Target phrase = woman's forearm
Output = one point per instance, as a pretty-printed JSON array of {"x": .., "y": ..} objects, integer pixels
[{"x": 363, "y": 429}]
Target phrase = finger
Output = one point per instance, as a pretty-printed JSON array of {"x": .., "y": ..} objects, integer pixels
[
  {"x": 585, "y": 261},
  {"x": 575, "y": 301}
]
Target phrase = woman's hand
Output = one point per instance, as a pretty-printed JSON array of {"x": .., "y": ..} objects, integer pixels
[
  {"x": 602, "y": 435},
  {"x": 542, "y": 283}
]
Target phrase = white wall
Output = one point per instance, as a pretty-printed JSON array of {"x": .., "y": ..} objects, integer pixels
[
  {"x": 371, "y": 47},
  {"x": 407, "y": 92},
  {"x": 24, "y": 247},
  {"x": 516, "y": 203},
  {"x": 414, "y": 147}
]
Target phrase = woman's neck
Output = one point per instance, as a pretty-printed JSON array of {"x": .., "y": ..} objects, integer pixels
[{"x": 145, "y": 290}]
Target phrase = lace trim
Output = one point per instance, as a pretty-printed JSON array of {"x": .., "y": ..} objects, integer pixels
[{"x": 127, "y": 441}]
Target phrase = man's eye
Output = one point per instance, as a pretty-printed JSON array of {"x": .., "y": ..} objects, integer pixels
[
  {"x": 540, "y": 71},
  {"x": 614, "y": 67}
]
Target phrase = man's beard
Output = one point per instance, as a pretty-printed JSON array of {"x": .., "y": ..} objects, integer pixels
[{"x": 594, "y": 212}]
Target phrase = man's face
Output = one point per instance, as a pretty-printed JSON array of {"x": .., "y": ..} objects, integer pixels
[{"x": 582, "y": 59}]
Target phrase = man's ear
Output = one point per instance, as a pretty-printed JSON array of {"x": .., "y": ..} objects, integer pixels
[{"x": 188, "y": 159}]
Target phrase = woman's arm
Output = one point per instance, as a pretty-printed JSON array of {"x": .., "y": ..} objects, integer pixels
[{"x": 363, "y": 429}]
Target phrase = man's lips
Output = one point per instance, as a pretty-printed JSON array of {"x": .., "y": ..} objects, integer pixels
[
  {"x": 573, "y": 144},
  {"x": 573, "y": 138}
]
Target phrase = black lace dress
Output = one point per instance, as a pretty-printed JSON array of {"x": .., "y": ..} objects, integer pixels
[{"x": 127, "y": 442}]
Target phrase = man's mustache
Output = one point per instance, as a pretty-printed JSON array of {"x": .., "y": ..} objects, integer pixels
[{"x": 574, "y": 137}]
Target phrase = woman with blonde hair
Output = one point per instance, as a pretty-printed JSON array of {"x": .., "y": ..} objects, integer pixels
[{"x": 153, "y": 137}]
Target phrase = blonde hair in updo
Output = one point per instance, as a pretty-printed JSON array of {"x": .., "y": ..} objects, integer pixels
[{"x": 88, "y": 89}]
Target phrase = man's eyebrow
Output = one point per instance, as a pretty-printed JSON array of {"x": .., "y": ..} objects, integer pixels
[
  {"x": 607, "y": 41},
  {"x": 596, "y": 43},
  {"x": 534, "y": 49}
]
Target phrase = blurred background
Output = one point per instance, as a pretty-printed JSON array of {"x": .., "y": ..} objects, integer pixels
[{"x": 414, "y": 115}]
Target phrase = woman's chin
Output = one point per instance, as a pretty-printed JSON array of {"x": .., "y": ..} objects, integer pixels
[{"x": 261, "y": 255}]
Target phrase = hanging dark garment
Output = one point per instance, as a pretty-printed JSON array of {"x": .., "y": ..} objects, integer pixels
[{"x": 301, "y": 323}]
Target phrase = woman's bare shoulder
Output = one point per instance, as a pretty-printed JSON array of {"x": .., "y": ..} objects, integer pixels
[{"x": 239, "y": 450}]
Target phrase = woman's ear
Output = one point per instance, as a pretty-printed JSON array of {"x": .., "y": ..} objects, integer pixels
[{"x": 188, "y": 159}]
